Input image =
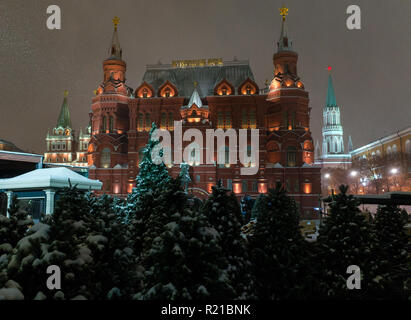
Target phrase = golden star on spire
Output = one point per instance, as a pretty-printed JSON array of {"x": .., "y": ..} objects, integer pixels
[
  {"x": 116, "y": 21},
  {"x": 195, "y": 84},
  {"x": 65, "y": 93},
  {"x": 283, "y": 12}
]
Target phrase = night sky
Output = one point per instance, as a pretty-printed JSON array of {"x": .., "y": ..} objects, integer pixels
[{"x": 371, "y": 67}]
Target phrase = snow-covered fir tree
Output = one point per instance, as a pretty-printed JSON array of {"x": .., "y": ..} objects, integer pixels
[
  {"x": 278, "y": 248},
  {"x": 224, "y": 214},
  {"x": 345, "y": 239},
  {"x": 12, "y": 229},
  {"x": 181, "y": 256},
  {"x": 114, "y": 262},
  {"x": 393, "y": 252},
  {"x": 150, "y": 174}
]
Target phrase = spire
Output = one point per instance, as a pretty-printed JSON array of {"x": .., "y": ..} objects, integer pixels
[
  {"x": 284, "y": 43},
  {"x": 350, "y": 144},
  {"x": 115, "y": 49},
  {"x": 195, "y": 97},
  {"x": 64, "y": 117},
  {"x": 331, "y": 101}
]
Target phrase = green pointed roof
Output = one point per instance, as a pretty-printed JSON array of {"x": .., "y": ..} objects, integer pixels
[
  {"x": 331, "y": 100},
  {"x": 64, "y": 117}
]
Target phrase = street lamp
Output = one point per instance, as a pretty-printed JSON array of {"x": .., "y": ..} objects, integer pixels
[
  {"x": 353, "y": 173},
  {"x": 394, "y": 170},
  {"x": 327, "y": 176}
]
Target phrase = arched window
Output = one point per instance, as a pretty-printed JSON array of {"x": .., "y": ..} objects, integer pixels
[
  {"x": 140, "y": 122},
  {"x": 253, "y": 122},
  {"x": 389, "y": 152},
  {"x": 227, "y": 122},
  {"x": 248, "y": 89},
  {"x": 148, "y": 122},
  {"x": 220, "y": 120},
  {"x": 105, "y": 159},
  {"x": 408, "y": 149},
  {"x": 145, "y": 93},
  {"x": 104, "y": 124},
  {"x": 334, "y": 119},
  {"x": 291, "y": 156},
  {"x": 244, "y": 119},
  {"x": 167, "y": 92}
]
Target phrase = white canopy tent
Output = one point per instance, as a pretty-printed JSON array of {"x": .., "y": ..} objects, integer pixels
[{"x": 48, "y": 180}]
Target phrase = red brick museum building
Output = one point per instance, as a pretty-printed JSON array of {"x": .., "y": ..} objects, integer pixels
[{"x": 207, "y": 94}]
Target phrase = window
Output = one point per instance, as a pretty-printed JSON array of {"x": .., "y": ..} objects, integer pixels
[
  {"x": 244, "y": 119},
  {"x": 220, "y": 120},
  {"x": 291, "y": 157},
  {"x": 140, "y": 122},
  {"x": 224, "y": 91},
  {"x": 145, "y": 93},
  {"x": 408, "y": 149},
  {"x": 229, "y": 184},
  {"x": 198, "y": 178},
  {"x": 224, "y": 120},
  {"x": 105, "y": 159},
  {"x": 248, "y": 89},
  {"x": 253, "y": 122},
  {"x": 227, "y": 122},
  {"x": 167, "y": 92},
  {"x": 255, "y": 186},
  {"x": 148, "y": 122},
  {"x": 244, "y": 186}
]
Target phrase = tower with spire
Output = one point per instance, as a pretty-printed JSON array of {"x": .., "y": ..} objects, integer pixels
[
  {"x": 289, "y": 113},
  {"x": 333, "y": 153},
  {"x": 60, "y": 143},
  {"x": 333, "y": 135}
]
